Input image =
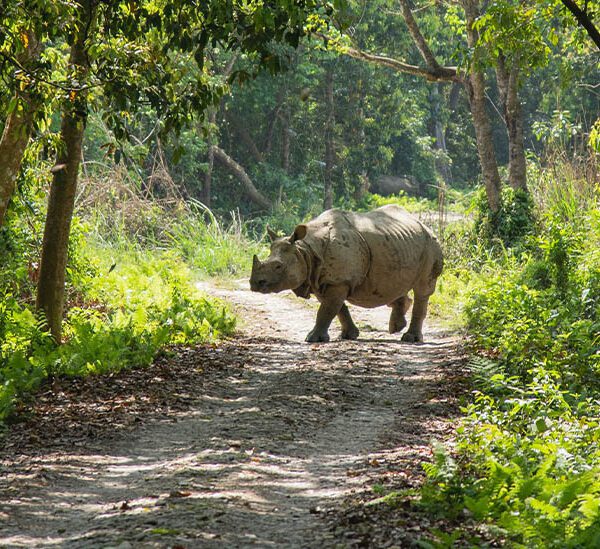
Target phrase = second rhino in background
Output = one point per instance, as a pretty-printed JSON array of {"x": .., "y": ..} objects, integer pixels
[{"x": 367, "y": 259}]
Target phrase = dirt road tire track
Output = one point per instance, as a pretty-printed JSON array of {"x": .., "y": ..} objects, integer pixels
[{"x": 256, "y": 442}]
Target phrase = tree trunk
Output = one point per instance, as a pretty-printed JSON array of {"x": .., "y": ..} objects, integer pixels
[
  {"x": 61, "y": 202},
  {"x": 212, "y": 140},
  {"x": 329, "y": 144},
  {"x": 513, "y": 117},
  {"x": 273, "y": 116},
  {"x": 253, "y": 193},
  {"x": 475, "y": 85},
  {"x": 442, "y": 162},
  {"x": 285, "y": 140},
  {"x": 210, "y": 158},
  {"x": 362, "y": 186},
  {"x": 17, "y": 128}
]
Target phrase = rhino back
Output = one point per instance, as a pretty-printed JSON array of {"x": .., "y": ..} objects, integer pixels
[
  {"x": 341, "y": 255},
  {"x": 395, "y": 238},
  {"x": 405, "y": 255}
]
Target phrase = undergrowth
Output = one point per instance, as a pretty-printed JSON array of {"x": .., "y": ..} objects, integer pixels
[
  {"x": 130, "y": 291},
  {"x": 525, "y": 467}
]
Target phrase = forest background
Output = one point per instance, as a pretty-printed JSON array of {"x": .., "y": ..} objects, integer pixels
[{"x": 148, "y": 143}]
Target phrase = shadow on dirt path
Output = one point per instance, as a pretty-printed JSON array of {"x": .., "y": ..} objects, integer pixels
[{"x": 256, "y": 442}]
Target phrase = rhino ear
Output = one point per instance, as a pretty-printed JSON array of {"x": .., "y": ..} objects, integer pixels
[
  {"x": 299, "y": 233},
  {"x": 272, "y": 234}
]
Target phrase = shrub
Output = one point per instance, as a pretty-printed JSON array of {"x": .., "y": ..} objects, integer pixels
[
  {"x": 526, "y": 457},
  {"x": 512, "y": 223}
]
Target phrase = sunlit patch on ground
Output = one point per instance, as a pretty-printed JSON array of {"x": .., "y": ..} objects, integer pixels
[{"x": 264, "y": 440}]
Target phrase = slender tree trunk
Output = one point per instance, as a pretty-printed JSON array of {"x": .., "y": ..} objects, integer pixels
[
  {"x": 210, "y": 158},
  {"x": 513, "y": 117},
  {"x": 212, "y": 139},
  {"x": 273, "y": 117},
  {"x": 442, "y": 163},
  {"x": 475, "y": 85},
  {"x": 362, "y": 186},
  {"x": 329, "y": 139},
  {"x": 61, "y": 202},
  {"x": 253, "y": 193},
  {"x": 285, "y": 140},
  {"x": 18, "y": 128}
]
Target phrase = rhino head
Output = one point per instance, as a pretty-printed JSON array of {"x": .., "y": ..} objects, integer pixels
[{"x": 284, "y": 269}]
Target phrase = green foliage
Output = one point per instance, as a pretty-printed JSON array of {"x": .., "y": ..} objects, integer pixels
[
  {"x": 544, "y": 308},
  {"x": 530, "y": 471},
  {"x": 515, "y": 31},
  {"x": 143, "y": 304},
  {"x": 513, "y": 221},
  {"x": 525, "y": 465},
  {"x": 126, "y": 303}
]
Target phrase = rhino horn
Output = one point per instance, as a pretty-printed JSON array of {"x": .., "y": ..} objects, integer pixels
[
  {"x": 272, "y": 234},
  {"x": 255, "y": 261}
]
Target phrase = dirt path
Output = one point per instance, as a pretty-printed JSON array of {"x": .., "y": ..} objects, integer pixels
[{"x": 264, "y": 441}]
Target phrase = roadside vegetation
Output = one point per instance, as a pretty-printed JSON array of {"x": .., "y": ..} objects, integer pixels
[
  {"x": 524, "y": 466},
  {"x": 131, "y": 292}
]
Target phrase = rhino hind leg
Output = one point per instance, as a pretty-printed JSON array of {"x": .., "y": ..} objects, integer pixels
[
  {"x": 414, "y": 334},
  {"x": 398, "y": 316},
  {"x": 349, "y": 329}
]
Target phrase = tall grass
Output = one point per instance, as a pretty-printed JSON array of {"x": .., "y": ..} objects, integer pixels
[
  {"x": 211, "y": 247},
  {"x": 122, "y": 216}
]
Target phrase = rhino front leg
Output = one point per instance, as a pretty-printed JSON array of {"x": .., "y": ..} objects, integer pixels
[
  {"x": 349, "y": 329},
  {"x": 414, "y": 334},
  {"x": 332, "y": 302},
  {"x": 398, "y": 316}
]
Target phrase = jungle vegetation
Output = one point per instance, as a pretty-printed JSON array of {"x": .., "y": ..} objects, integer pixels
[{"x": 146, "y": 143}]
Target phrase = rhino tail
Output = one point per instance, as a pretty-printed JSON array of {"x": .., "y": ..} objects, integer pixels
[{"x": 436, "y": 269}]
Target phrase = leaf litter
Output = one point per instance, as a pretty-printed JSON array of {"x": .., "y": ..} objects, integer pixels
[{"x": 260, "y": 441}]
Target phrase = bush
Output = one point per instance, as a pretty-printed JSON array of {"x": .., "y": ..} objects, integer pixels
[
  {"x": 512, "y": 223},
  {"x": 526, "y": 457}
]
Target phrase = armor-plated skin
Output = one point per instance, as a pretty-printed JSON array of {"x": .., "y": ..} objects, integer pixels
[{"x": 367, "y": 259}]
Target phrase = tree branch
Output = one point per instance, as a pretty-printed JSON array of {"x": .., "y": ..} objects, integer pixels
[
  {"x": 584, "y": 20},
  {"x": 439, "y": 74},
  {"x": 417, "y": 37},
  {"x": 253, "y": 193}
]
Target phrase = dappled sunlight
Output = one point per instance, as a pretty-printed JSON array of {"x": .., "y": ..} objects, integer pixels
[{"x": 279, "y": 432}]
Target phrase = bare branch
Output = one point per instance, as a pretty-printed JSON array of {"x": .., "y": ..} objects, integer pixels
[
  {"x": 417, "y": 37},
  {"x": 253, "y": 193},
  {"x": 439, "y": 74}
]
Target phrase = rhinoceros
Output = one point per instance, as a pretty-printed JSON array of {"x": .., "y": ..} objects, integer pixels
[{"x": 367, "y": 259}]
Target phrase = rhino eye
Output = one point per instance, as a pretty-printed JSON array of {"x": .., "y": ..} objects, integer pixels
[{"x": 278, "y": 267}]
